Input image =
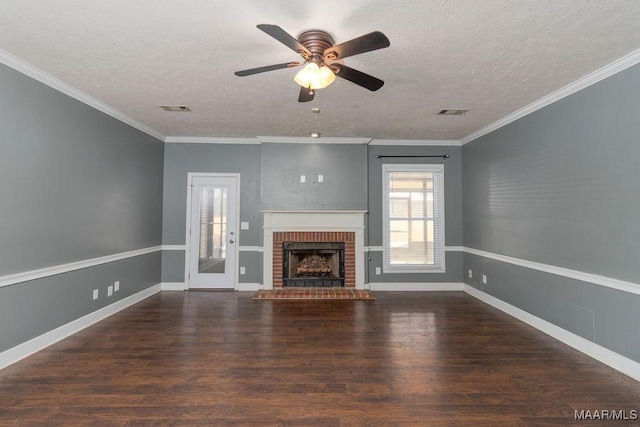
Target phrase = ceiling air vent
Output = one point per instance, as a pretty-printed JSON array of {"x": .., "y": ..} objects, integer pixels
[
  {"x": 451, "y": 112},
  {"x": 175, "y": 108}
]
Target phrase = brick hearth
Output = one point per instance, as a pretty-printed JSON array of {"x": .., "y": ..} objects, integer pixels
[{"x": 315, "y": 236}]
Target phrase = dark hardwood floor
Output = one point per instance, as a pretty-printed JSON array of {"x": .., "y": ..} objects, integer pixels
[{"x": 212, "y": 358}]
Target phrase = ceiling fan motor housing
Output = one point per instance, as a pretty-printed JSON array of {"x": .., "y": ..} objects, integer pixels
[{"x": 316, "y": 41}]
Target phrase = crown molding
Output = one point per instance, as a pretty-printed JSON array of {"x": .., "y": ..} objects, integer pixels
[
  {"x": 621, "y": 64},
  {"x": 420, "y": 142},
  {"x": 309, "y": 140},
  {"x": 209, "y": 140},
  {"x": 23, "y": 67},
  {"x": 35, "y": 73}
]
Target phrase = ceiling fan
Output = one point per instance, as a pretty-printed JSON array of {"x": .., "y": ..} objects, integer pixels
[{"x": 320, "y": 55}]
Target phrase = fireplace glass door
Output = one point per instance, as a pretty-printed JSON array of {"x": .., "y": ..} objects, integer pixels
[{"x": 313, "y": 264}]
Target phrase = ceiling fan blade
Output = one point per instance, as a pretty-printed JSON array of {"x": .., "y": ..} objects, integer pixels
[
  {"x": 286, "y": 39},
  {"x": 266, "y": 68},
  {"x": 357, "y": 77},
  {"x": 306, "y": 94},
  {"x": 362, "y": 44}
]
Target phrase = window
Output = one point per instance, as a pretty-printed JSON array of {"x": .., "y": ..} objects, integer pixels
[{"x": 413, "y": 218}]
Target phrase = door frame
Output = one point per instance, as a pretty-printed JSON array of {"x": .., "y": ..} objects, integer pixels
[{"x": 190, "y": 176}]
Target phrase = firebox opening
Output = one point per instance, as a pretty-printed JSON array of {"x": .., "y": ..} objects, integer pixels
[{"x": 313, "y": 264}]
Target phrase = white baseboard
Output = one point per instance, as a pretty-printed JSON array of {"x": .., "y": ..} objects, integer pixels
[
  {"x": 421, "y": 286},
  {"x": 242, "y": 287},
  {"x": 19, "y": 352},
  {"x": 181, "y": 286},
  {"x": 616, "y": 361},
  {"x": 173, "y": 286}
]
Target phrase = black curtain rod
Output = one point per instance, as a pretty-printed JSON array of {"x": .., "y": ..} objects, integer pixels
[{"x": 445, "y": 156}]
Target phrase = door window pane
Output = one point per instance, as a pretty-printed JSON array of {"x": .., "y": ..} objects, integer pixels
[{"x": 213, "y": 230}]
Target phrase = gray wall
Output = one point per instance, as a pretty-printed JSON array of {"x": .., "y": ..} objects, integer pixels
[
  {"x": 181, "y": 159},
  {"x": 453, "y": 208},
  {"x": 75, "y": 184},
  {"x": 560, "y": 187},
  {"x": 270, "y": 180},
  {"x": 30, "y": 309},
  {"x": 344, "y": 169}
]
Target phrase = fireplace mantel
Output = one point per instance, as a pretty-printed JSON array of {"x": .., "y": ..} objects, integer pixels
[{"x": 319, "y": 221}]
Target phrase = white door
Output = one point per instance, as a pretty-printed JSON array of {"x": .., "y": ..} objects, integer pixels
[{"x": 212, "y": 232}]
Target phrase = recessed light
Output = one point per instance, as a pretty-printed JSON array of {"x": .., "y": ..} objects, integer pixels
[
  {"x": 315, "y": 135},
  {"x": 451, "y": 112},
  {"x": 175, "y": 108}
]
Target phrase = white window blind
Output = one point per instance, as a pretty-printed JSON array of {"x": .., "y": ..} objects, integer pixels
[{"x": 413, "y": 218}]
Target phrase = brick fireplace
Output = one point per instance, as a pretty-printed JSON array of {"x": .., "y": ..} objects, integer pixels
[
  {"x": 282, "y": 237},
  {"x": 345, "y": 227}
]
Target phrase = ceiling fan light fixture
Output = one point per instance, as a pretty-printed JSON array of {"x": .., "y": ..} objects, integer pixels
[{"x": 313, "y": 76}]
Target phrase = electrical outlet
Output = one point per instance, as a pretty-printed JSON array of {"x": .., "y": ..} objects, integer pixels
[
  {"x": 95, "y": 294},
  {"x": 110, "y": 291},
  {"x": 470, "y": 273},
  {"x": 116, "y": 286},
  {"x": 303, "y": 179},
  {"x": 378, "y": 271},
  {"x": 484, "y": 279},
  {"x": 320, "y": 178},
  {"x": 242, "y": 270}
]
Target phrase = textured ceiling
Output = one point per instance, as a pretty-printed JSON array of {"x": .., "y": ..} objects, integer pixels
[{"x": 490, "y": 57}]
